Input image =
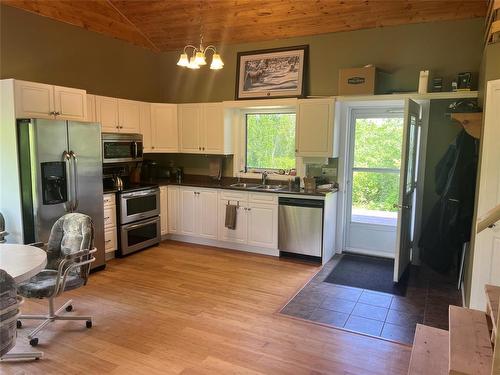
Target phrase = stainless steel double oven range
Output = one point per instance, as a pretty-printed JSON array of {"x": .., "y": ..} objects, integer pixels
[{"x": 138, "y": 205}]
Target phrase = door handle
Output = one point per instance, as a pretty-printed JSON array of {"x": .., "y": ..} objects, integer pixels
[
  {"x": 68, "y": 205},
  {"x": 406, "y": 206},
  {"x": 75, "y": 177}
]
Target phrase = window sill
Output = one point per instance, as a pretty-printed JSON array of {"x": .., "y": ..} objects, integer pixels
[{"x": 270, "y": 177}]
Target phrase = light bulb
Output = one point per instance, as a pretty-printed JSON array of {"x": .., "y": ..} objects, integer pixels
[
  {"x": 200, "y": 59},
  {"x": 216, "y": 62},
  {"x": 192, "y": 64},
  {"x": 183, "y": 60}
]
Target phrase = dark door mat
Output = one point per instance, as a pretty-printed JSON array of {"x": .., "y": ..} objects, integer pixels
[{"x": 368, "y": 272}]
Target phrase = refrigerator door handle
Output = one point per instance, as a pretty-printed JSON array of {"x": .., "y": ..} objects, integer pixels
[
  {"x": 75, "y": 179},
  {"x": 68, "y": 206}
]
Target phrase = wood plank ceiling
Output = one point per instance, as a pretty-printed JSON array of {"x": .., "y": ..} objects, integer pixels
[{"x": 164, "y": 25}]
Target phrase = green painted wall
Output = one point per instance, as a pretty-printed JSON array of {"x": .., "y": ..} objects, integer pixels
[
  {"x": 38, "y": 49},
  {"x": 446, "y": 48}
]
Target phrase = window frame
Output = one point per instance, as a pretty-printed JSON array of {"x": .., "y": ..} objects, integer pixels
[
  {"x": 239, "y": 161},
  {"x": 245, "y": 150}
]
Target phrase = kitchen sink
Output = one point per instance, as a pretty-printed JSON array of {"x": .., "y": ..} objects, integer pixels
[
  {"x": 244, "y": 185},
  {"x": 271, "y": 187}
]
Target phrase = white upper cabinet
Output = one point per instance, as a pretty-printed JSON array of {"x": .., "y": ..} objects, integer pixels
[
  {"x": 163, "y": 128},
  {"x": 189, "y": 128},
  {"x": 118, "y": 115},
  {"x": 107, "y": 113},
  {"x": 91, "y": 116},
  {"x": 315, "y": 128},
  {"x": 129, "y": 116},
  {"x": 47, "y": 101},
  {"x": 145, "y": 127},
  {"x": 203, "y": 130},
  {"x": 70, "y": 104}
]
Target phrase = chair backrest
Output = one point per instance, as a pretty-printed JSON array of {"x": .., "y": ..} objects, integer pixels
[
  {"x": 70, "y": 234},
  {"x": 9, "y": 310}
]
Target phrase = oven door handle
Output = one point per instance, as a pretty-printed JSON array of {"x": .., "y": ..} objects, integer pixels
[
  {"x": 139, "y": 225},
  {"x": 139, "y": 194},
  {"x": 136, "y": 150}
]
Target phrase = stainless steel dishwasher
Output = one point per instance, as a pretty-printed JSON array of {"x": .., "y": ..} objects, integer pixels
[{"x": 300, "y": 226}]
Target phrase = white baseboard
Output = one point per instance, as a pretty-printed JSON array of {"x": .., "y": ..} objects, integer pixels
[{"x": 222, "y": 244}]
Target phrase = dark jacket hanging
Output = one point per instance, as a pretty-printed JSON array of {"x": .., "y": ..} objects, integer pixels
[{"x": 450, "y": 222}]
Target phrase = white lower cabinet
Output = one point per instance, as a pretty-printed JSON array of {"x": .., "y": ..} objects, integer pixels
[
  {"x": 240, "y": 234},
  {"x": 173, "y": 209},
  {"x": 164, "y": 210},
  {"x": 198, "y": 212},
  {"x": 110, "y": 228},
  {"x": 263, "y": 225}
]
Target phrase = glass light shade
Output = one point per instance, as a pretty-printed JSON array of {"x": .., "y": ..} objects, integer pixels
[
  {"x": 216, "y": 62},
  {"x": 200, "y": 59},
  {"x": 183, "y": 60},
  {"x": 192, "y": 64}
]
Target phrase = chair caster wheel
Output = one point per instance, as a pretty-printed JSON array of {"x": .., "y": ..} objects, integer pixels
[
  {"x": 34, "y": 341},
  {"x": 69, "y": 308},
  {"x": 89, "y": 323},
  {"x": 19, "y": 324}
]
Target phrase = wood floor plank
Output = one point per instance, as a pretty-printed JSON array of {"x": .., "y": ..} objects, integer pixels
[{"x": 188, "y": 309}]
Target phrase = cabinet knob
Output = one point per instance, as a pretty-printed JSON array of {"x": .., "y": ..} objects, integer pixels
[
  {"x": 199, "y": 148},
  {"x": 296, "y": 150},
  {"x": 203, "y": 148},
  {"x": 57, "y": 113}
]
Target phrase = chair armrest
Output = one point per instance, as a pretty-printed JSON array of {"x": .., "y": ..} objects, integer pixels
[{"x": 37, "y": 244}]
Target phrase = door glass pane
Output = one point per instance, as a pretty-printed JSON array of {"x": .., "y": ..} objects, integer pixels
[
  {"x": 113, "y": 150},
  {"x": 374, "y": 196},
  {"x": 141, "y": 234},
  {"x": 141, "y": 204},
  {"x": 378, "y": 142},
  {"x": 410, "y": 176}
]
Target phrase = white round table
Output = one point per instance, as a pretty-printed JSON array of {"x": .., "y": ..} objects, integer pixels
[{"x": 22, "y": 261}]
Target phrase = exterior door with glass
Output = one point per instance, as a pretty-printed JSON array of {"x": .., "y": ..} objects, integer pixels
[
  {"x": 373, "y": 183},
  {"x": 407, "y": 185}
]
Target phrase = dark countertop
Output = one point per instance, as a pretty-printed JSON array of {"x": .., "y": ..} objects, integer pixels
[{"x": 207, "y": 182}]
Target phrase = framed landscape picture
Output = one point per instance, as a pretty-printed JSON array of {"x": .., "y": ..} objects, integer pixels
[{"x": 273, "y": 73}]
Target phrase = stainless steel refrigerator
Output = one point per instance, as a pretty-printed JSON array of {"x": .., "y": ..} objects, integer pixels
[{"x": 61, "y": 171}]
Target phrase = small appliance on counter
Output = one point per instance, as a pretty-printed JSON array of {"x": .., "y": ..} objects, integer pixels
[{"x": 149, "y": 171}]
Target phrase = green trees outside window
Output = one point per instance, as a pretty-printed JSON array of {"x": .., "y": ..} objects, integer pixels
[
  {"x": 270, "y": 141},
  {"x": 377, "y": 162}
]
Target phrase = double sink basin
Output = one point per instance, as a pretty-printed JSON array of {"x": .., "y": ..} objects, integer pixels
[{"x": 253, "y": 186}]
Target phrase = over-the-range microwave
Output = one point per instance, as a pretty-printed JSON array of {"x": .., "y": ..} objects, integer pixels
[{"x": 121, "y": 147}]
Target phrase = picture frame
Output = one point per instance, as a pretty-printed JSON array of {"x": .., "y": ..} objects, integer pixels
[{"x": 272, "y": 73}]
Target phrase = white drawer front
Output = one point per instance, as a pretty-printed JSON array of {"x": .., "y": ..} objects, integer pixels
[
  {"x": 109, "y": 217},
  {"x": 234, "y": 195},
  {"x": 263, "y": 198},
  {"x": 109, "y": 200},
  {"x": 110, "y": 240}
]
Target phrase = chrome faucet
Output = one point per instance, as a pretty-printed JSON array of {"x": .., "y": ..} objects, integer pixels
[{"x": 264, "y": 178}]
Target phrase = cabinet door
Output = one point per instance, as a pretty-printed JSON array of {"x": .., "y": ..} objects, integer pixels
[
  {"x": 70, "y": 104},
  {"x": 238, "y": 235},
  {"x": 34, "y": 100},
  {"x": 187, "y": 210},
  {"x": 145, "y": 123},
  {"x": 207, "y": 213},
  {"x": 263, "y": 225},
  {"x": 314, "y": 134},
  {"x": 164, "y": 128},
  {"x": 189, "y": 128},
  {"x": 107, "y": 113},
  {"x": 164, "y": 210},
  {"x": 212, "y": 129},
  {"x": 91, "y": 117},
  {"x": 173, "y": 209},
  {"x": 129, "y": 116}
]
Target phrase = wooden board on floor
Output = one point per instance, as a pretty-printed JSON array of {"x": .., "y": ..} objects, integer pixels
[
  {"x": 470, "y": 346},
  {"x": 181, "y": 308},
  {"x": 429, "y": 354}
]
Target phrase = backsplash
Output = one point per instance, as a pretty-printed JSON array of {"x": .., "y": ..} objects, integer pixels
[
  {"x": 329, "y": 170},
  {"x": 192, "y": 164}
]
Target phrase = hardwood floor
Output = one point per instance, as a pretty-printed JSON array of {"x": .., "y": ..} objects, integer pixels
[{"x": 189, "y": 309}]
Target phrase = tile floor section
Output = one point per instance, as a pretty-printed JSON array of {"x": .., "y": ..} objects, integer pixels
[{"x": 379, "y": 314}]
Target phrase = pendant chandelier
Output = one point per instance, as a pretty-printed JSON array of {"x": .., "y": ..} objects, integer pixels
[{"x": 193, "y": 58}]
